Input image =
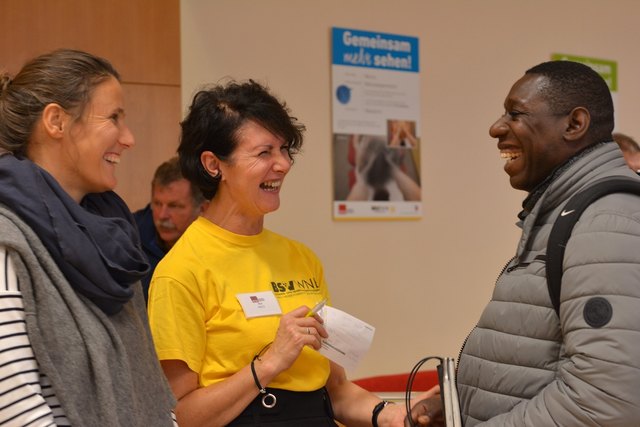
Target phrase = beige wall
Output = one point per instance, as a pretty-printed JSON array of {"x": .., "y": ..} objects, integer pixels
[{"x": 422, "y": 284}]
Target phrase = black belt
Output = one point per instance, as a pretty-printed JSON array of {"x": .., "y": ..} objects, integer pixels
[{"x": 295, "y": 408}]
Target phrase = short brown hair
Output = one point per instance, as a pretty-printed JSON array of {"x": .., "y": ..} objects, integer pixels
[{"x": 169, "y": 172}]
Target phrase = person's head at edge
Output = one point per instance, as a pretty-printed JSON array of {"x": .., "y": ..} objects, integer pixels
[
  {"x": 555, "y": 110},
  {"x": 630, "y": 149},
  {"x": 237, "y": 145},
  {"x": 64, "y": 111},
  {"x": 175, "y": 203}
]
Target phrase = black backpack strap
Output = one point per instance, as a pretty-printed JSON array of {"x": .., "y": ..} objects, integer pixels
[{"x": 561, "y": 230}]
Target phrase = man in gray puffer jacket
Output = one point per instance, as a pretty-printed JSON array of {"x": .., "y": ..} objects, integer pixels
[{"x": 522, "y": 365}]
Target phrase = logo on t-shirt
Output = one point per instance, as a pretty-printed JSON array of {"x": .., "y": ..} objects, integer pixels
[{"x": 295, "y": 286}]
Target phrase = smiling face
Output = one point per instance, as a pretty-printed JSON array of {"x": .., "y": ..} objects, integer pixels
[
  {"x": 530, "y": 134},
  {"x": 93, "y": 143},
  {"x": 251, "y": 179}
]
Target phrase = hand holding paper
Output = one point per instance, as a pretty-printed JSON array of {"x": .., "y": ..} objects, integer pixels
[{"x": 349, "y": 338}]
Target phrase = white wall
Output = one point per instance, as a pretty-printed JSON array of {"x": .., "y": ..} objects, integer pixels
[{"x": 422, "y": 284}]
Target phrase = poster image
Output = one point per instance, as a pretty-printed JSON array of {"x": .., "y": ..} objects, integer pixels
[{"x": 376, "y": 126}]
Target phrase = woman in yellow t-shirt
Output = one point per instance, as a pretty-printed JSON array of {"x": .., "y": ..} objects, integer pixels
[{"x": 228, "y": 304}]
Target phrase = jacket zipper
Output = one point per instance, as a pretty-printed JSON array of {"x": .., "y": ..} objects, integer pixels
[{"x": 464, "y": 343}]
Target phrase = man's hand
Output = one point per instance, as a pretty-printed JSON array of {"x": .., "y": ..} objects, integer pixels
[{"x": 427, "y": 412}]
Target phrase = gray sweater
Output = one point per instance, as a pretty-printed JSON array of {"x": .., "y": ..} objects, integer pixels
[
  {"x": 521, "y": 365},
  {"x": 103, "y": 368}
]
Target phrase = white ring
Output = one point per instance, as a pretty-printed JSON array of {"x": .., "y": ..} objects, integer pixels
[{"x": 269, "y": 400}]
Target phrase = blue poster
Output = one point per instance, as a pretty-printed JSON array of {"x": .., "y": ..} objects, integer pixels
[
  {"x": 375, "y": 50},
  {"x": 376, "y": 125}
]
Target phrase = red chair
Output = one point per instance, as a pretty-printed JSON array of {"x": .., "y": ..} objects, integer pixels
[{"x": 423, "y": 381}]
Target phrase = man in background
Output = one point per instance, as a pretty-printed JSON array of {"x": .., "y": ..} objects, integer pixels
[
  {"x": 523, "y": 364},
  {"x": 175, "y": 204},
  {"x": 630, "y": 149}
]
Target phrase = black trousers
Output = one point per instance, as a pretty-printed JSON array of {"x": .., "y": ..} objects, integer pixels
[{"x": 292, "y": 409}]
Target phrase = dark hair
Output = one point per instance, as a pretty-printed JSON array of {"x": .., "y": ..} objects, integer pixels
[
  {"x": 169, "y": 172},
  {"x": 214, "y": 119},
  {"x": 65, "y": 77},
  {"x": 571, "y": 85}
]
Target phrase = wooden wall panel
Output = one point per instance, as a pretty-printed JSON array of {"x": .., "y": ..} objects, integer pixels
[
  {"x": 153, "y": 114},
  {"x": 140, "y": 37},
  {"x": 142, "y": 40}
]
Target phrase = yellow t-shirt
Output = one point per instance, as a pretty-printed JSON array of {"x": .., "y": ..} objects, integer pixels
[{"x": 194, "y": 313}]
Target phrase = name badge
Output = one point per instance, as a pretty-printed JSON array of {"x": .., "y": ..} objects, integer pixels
[{"x": 258, "y": 304}]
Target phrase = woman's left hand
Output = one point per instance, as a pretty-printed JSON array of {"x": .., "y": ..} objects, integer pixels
[
  {"x": 294, "y": 332},
  {"x": 396, "y": 415}
]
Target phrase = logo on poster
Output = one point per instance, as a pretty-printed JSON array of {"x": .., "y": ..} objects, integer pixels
[
  {"x": 343, "y": 93},
  {"x": 379, "y": 208}
]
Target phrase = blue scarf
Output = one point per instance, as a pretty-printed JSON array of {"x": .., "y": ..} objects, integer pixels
[{"x": 95, "y": 243}]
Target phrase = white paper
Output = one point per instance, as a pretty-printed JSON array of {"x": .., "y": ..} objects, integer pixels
[{"x": 349, "y": 338}]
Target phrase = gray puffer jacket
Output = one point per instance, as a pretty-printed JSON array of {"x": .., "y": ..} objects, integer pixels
[{"x": 521, "y": 365}]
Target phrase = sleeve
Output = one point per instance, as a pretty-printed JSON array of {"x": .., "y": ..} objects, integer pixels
[
  {"x": 23, "y": 398},
  {"x": 177, "y": 322},
  {"x": 599, "y": 376}
]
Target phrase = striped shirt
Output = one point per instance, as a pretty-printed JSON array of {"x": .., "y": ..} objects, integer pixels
[{"x": 27, "y": 398}]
